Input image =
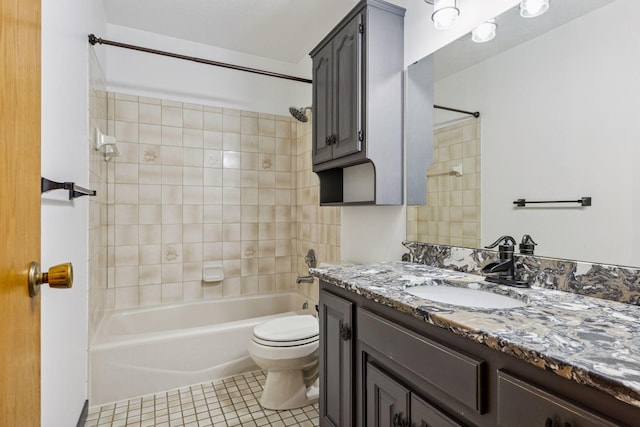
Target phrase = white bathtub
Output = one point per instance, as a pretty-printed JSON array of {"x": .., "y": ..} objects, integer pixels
[{"x": 147, "y": 350}]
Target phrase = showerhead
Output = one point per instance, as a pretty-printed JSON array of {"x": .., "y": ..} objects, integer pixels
[{"x": 300, "y": 113}]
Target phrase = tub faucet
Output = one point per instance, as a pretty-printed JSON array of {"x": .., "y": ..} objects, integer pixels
[
  {"x": 503, "y": 271},
  {"x": 311, "y": 262}
]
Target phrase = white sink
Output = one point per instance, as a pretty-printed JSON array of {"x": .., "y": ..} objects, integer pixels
[{"x": 464, "y": 297}]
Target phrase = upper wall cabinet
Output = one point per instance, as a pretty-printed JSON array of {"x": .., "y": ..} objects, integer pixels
[{"x": 357, "y": 107}]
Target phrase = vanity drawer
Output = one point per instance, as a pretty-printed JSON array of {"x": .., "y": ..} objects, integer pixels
[
  {"x": 456, "y": 374},
  {"x": 524, "y": 404}
]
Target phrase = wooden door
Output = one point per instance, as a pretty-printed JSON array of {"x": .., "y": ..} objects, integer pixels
[
  {"x": 425, "y": 415},
  {"x": 322, "y": 106},
  {"x": 387, "y": 401},
  {"x": 19, "y": 211},
  {"x": 336, "y": 361},
  {"x": 347, "y": 71}
]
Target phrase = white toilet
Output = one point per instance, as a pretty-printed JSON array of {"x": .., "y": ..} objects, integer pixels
[{"x": 287, "y": 349}]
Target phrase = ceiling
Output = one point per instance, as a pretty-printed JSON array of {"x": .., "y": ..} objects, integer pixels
[{"x": 284, "y": 30}]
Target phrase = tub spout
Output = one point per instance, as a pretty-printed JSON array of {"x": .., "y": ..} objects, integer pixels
[{"x": 304, "y": 279}]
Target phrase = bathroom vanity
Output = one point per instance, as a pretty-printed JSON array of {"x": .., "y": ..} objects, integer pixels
[{"x": 390, "y": 358}]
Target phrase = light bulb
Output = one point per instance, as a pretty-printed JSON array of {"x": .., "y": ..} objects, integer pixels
[
  {"x": 445, "y": 13},
  {"x": 484, "y": 32},
  {"x": 533, "y": 8}
]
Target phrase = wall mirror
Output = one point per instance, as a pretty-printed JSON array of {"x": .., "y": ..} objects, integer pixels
[{"x": 558, "y": 97}]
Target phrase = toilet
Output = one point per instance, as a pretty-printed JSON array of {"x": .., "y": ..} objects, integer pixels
[{"x": 286, "y": 348}]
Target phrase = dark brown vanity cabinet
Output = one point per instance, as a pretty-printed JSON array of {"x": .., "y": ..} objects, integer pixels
[
  {"x": 357, "y": 107},
  {"x": 381, "y": 367}
]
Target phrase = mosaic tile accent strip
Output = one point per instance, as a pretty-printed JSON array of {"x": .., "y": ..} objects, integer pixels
[
  {"x": 591, "y": 341},
  {"x": 610, "y": 282},
  {"x": 227, "y": 402}
]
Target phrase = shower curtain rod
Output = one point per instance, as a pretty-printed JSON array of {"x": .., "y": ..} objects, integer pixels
[
  {"x": 93, "y": 40},
  {"x": 474, "y": 113}
]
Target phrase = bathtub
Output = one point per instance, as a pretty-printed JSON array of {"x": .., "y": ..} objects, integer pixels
[{"x": 143, "y": 351}]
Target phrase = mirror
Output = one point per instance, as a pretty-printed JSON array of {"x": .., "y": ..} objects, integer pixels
[{"x": 558, "y": 97}]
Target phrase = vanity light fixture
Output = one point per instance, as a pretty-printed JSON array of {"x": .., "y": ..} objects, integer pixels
[
  {"x": 484, "y": 32},
  {"x": 444, "y": 14},
  {"x": 533, "y": 8}
]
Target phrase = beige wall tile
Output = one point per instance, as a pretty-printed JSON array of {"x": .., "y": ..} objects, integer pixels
[
  {"x": 231, "y": 123},
  {"x": 193, "y": 119},
  {"x": 193, "y": 138},
  {"x": 149, "y": 114},
  {"x": 199, "y": 183},
  {"x": 212, "y": 121},
  {"x": 171, "y": 116},
  {"x": 126, "y": 111}
]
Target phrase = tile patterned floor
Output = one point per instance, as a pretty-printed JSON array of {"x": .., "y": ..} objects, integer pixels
[{"x": 227, "y": 402}]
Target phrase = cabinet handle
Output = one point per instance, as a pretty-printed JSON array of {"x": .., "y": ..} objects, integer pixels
[
  {"x": 398, "y": 421},
  {"x": 567, "y": 424},
  {"x": 334, "y": 138},
  {"x": 549, "y": 422},
  {"x": 328, "y": 140},
  {"x": 345, "y": 331}
]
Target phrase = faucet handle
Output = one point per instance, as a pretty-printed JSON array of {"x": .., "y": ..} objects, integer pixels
[
  {"x": 527, "y": 245},
  {"x": 506, "y": 241},
  {"x": 310, "y": 259}
]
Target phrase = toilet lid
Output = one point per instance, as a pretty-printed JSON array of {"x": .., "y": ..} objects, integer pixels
[{"x": 287, "y": 331}]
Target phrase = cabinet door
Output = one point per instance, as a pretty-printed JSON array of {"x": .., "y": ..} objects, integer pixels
[
  {"x": 386, "y": 400},
  {"x": 322, "y": 106},
  {"x": 425, "y": 415},
  {"x": 336, "y": 360},
  {"x": 348, "y": 69}
]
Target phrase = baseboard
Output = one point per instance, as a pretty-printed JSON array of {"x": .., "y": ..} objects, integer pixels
[{"x": 83, "y": 415}]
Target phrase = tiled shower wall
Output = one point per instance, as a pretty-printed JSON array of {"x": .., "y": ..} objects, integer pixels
[
  {"x": 452, "y": 213},
  {"x": 198, "y": 184}
]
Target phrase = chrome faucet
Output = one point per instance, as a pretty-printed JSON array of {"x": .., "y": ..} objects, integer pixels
[
  {"x": 304, "y": 279},
  {"x": 503, "y": 271},
  {"x": 311, "y": 262}
]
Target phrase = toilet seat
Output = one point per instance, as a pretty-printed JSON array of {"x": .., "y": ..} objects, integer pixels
[{"x": 289, "y": 331}]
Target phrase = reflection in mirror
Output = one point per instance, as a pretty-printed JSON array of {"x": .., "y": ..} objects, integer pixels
[{"x": 558, "y": 107}]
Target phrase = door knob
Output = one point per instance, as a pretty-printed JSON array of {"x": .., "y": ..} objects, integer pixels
[{"x": 58, "y": 276}]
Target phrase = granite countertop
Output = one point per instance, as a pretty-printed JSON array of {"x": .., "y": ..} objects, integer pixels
[{"x": 588, "y": 340}]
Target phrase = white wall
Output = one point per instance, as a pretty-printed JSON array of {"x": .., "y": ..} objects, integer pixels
[
  {"x": 559, "y": 121},
  {"x": 65, "y": 26}
]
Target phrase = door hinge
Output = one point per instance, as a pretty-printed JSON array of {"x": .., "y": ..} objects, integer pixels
[
  {"x": 360, "y": 135},
  {"x": 361, "y": 29}
]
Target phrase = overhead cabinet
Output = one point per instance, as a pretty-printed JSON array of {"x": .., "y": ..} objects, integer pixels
[{"x": 357, "y": 107}]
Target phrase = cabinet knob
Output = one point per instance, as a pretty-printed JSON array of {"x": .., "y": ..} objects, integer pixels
[
  {"x": 398, "y": 421},
  {"x": 345, "y": 331}
]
